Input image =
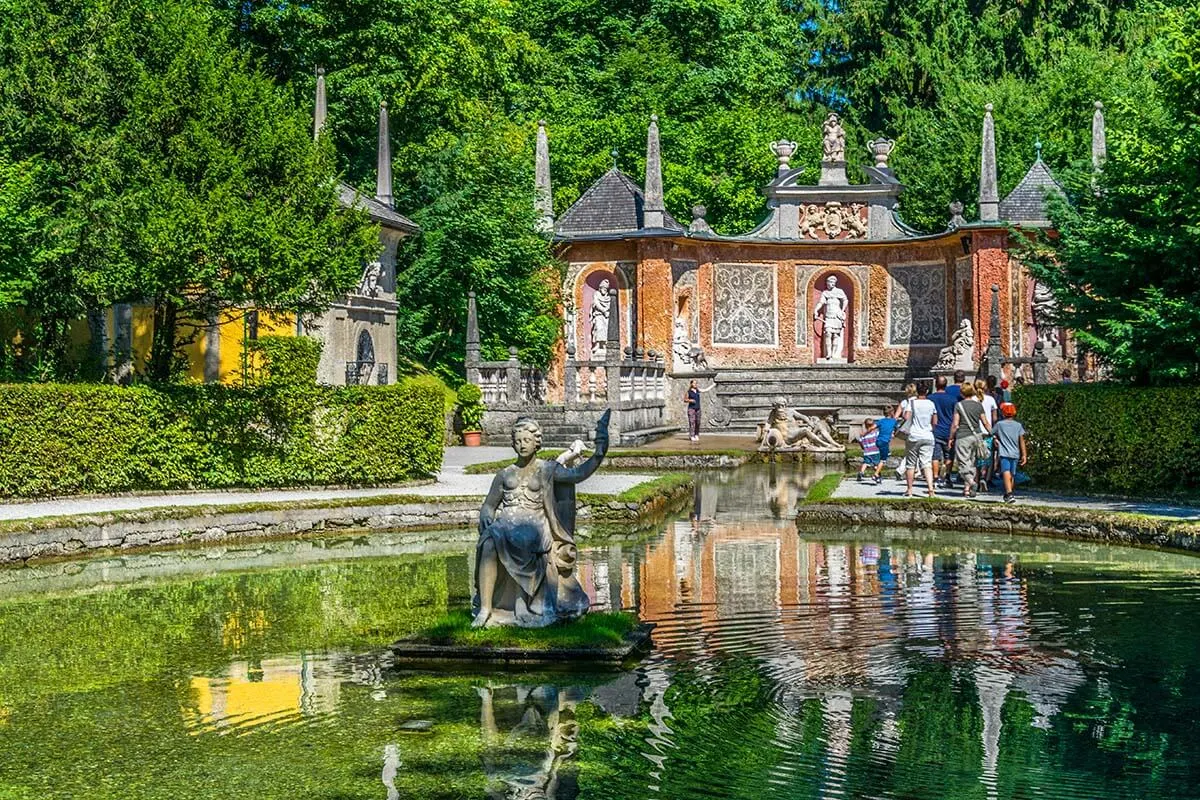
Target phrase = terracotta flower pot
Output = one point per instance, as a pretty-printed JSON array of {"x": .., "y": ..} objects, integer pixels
[{"x": 472, "y": 438}]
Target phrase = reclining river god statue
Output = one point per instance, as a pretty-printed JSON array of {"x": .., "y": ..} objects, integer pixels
[{"x": 525, "y": 557}]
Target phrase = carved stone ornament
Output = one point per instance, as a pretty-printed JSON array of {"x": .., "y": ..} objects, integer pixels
[
  {"x": 783, "y": 150},
  {"x": 833, "y": 219},
  {"x": 833, "y": 139},
  {"x": 959, "y": 354},
  {"x": 789, "y": 430},
  {"x": 1045, "y": 311},
  {"x": 368, "y": 285},
  {"x": 880, "y": 149}
]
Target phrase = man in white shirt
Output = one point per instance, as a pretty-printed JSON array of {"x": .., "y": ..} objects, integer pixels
[{"x": 919, "y": 448}]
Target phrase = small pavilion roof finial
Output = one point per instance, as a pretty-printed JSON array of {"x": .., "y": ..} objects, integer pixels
[{"x": 613, "y": 155}]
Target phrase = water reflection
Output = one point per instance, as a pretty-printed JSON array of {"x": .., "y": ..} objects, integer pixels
[{"x": 828, "y": 664}]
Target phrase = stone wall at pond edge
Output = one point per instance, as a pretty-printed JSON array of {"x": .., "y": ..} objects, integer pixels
[
  {"x": 60, "y": 440},
  {"x": 58, "y": 537},
  {"x": 1070, "y": 523}
]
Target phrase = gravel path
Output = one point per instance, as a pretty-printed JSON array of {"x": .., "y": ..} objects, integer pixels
[
  {"x": 892, "y": 489},
  {"x": 451, "y": 481}
]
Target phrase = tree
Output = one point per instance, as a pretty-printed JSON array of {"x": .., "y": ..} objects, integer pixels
[
  {"x": 1124, "y": 269},
  {"x": 181, "y": 177}
]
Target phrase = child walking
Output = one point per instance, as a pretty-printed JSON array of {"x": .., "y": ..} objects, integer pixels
[
  {"x": 1010, "y": 446},
  {"x": 869, "y": 439}
]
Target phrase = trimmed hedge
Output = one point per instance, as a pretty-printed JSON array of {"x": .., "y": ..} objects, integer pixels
[
  {"x": 1109, "y": 438},
  {"x": 58, "y": 439}
]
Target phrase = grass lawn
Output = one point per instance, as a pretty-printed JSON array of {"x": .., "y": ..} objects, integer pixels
[
  {"x": 824, "y": 488},
  {"x": 599, "y": 630}
]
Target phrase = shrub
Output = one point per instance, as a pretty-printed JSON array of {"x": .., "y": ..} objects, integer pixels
[
  {"x": 1113, "y": 438},
  {"x": 72, "y": 439},
  {"x": 470, "y": 406}
]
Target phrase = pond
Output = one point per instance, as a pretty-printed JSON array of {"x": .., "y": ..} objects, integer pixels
[{"x": 815, "y": 664}]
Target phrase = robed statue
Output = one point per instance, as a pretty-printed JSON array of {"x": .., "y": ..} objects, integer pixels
[{"x": 525, "y": 558}]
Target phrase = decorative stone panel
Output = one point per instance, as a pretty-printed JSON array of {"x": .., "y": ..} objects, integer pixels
[
  {"x": 917, "y": 305},
  {"x": 744, "y": 305}
]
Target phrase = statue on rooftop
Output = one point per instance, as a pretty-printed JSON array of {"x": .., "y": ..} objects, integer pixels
[
  {"x": 833, "y": 139},
  {"x": 525, "y": 557}
]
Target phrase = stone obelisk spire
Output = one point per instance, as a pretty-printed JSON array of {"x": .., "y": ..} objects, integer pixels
[
  {"x": 320, "y": 112},
  {"x": 383, "y": 165},
  {"x": 989, "y": 195},
  {"x": 543, "y": 198},
  {"x": 1099, "y": 142},
  {"x": 652, "y": 207}
]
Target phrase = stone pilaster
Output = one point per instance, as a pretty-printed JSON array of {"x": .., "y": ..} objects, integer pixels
[
  {"x": 989, "y": 193},
  {"x": 1099, "y": 140},
  {"x": 212, "y": 349}
]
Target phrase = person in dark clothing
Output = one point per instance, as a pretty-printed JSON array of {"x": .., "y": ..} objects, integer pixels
[
  {"x": 692, "y": 398},
  {"x": 943, "y": 451}
]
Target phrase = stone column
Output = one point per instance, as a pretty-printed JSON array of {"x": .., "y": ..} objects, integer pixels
[
  {"x": 1041, "y": 364},
  {"x": 993, "y": 355},
  {"x": 612, "y": 355},
  {"x": 319, "y": 112},
  {"x": 653, "y": 209},
  {"x": 383, "y": 160},
  {"x": 570, "y": 377},
  {"x": 123, "y": 343},
  {"x": 513, "y": 376},
  {"x": 1099, "y": 142},
  {"x": 543, "y": 197},
  {"x": 212, "y": 349},
  {"x": 98, "y": 344}
]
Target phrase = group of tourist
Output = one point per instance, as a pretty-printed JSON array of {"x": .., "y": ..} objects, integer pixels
[{"x": 965, "y": 430}]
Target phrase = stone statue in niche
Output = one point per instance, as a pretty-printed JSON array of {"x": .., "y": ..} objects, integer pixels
[
  {"x": 788, "y": 429},
  {"x": 1045, "y": 312},
  {"x": 368, "y": 286},
  {"x": 834, "y": 304},
  {"x": 525, "y": 557},
  {"x": 598, "y": 316},
  {"x": 833, "y": 139},
  {"x": 960, "y": 353}
]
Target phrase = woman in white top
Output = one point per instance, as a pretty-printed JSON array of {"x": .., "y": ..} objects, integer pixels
[{"x": 921, "y": 416}]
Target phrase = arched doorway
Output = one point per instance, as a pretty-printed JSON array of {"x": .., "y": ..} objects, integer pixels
[
  {"x": 358, "y": 371},
  {"x": 828, "y": 297}
]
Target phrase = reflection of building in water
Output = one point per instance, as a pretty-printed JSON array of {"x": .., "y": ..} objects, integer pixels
[
  {"x": 836, "y": 623},
  {"x": 249, "y": 694}
]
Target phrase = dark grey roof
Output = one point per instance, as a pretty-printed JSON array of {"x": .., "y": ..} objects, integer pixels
[
  {"x": 379, "y": 212},
  {"x": 1026, "y": 204},
  {"x": 611, "y": 205}
]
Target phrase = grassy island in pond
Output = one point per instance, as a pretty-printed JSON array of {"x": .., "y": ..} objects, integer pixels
[{"x": 606, "y": 630}]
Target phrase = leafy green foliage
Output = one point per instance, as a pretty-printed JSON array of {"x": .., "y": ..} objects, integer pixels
[
  {"x": 283, "y": 361},
  {"x": 1115, "y": 439},
  {"x": 70, "y": 439},
  {"x": 470, "y": 406},
  {"x": 163, "y": 169},
  {"x": 1124, "y": 268}
]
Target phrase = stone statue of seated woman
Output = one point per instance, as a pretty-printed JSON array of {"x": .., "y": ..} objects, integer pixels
[{"x": 525, "y": 557}]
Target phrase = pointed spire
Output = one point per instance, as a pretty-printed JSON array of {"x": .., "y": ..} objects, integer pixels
[
  {"x": 1099, "y": 142},
  {"x": 383, "y": 165},
  {"x": 320, "y": 112},
  {"x": 543, "y": 198},
  {"x": 989, "y": 195},
  {"x": 652, "y": 206}
]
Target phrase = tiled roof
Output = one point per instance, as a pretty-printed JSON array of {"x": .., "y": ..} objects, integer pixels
[
  {"x": 611, "y": 205},
  {"x": 381, "y": 213},
  {"x": 1026, "y": 204}
]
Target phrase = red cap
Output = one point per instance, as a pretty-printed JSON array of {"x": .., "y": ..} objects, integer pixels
[{"x": 1008, "y": 410}]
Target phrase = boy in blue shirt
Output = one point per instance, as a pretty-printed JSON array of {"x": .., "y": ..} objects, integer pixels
[
  {"x": 1010, "y": 444},
  {"x": 887, "y": 429}
]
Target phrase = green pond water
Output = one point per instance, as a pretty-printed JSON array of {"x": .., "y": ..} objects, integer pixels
[{"x": 820, "y": 664}]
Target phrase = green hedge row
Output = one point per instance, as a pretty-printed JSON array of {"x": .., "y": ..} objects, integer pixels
[
  {"x": 60, "y": 439},
  {"x": 1114, "y": 439}
]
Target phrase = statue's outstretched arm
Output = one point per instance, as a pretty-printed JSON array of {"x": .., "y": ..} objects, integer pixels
[
  {"x": 487, "y": 512},
  {"x": 584, "y": 470}
]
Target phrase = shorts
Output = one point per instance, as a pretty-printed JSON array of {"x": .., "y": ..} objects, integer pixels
[
  {"x": 871, "y": 461},
  {"x": 918, "y": 454},
  {"x": 1008, "y": 465},
  {"x": 885, "y": 450},
  {"x": 942, "y": 451}
]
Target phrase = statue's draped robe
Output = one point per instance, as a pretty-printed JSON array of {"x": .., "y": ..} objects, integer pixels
[{"x": 536, "y": 583}]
